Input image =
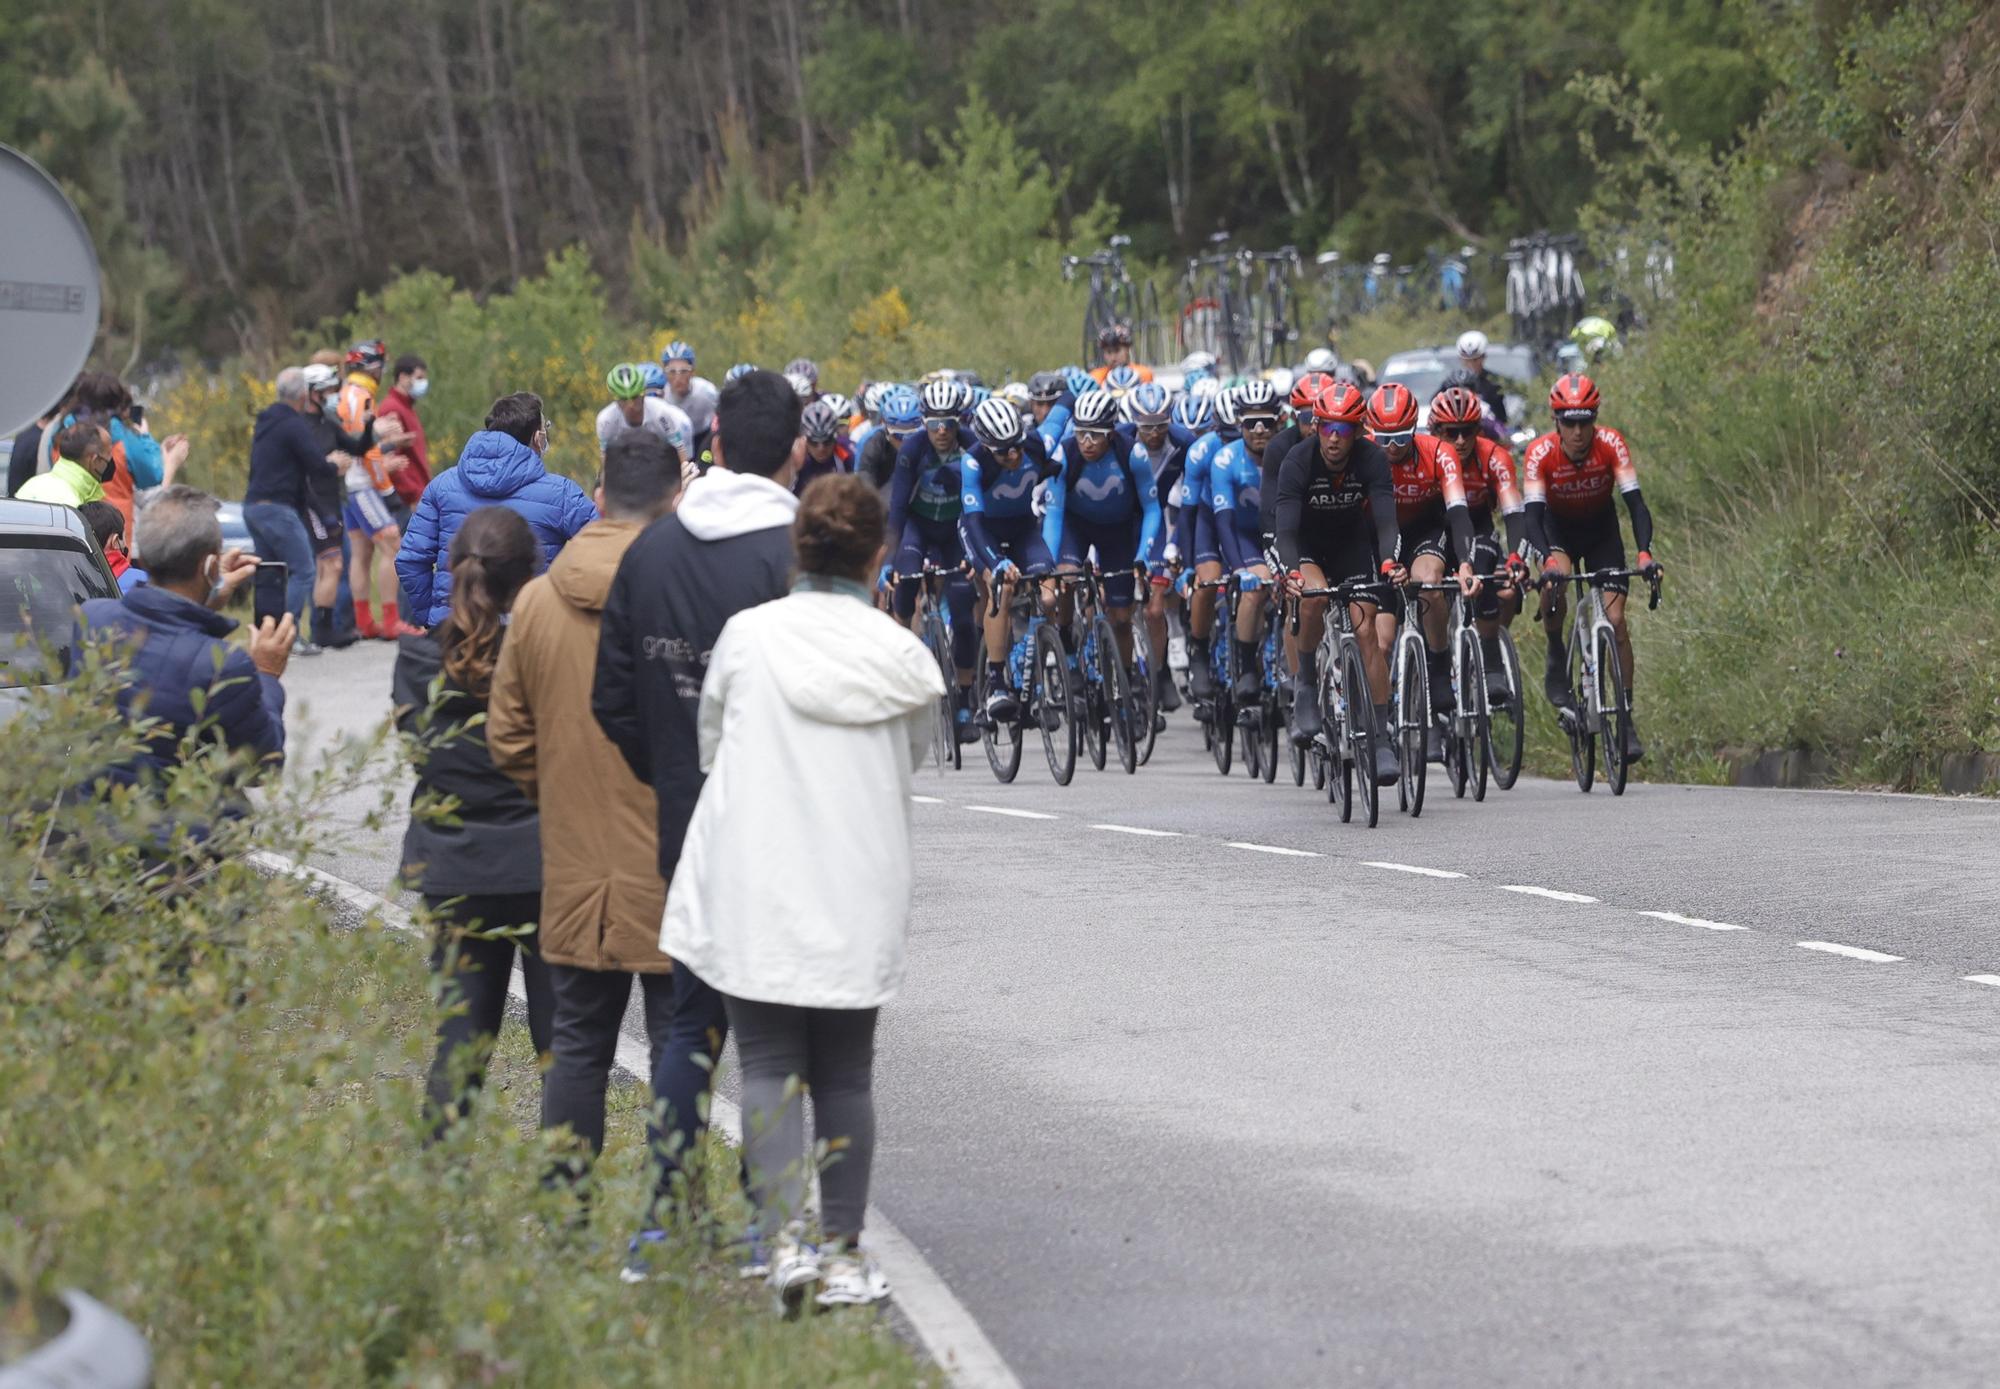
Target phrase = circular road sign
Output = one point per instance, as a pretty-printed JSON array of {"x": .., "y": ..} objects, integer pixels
[{"x": 48, "y": 291}]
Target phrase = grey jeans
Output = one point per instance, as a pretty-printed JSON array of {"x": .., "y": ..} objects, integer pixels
[{"x": 831, "y": 1051}]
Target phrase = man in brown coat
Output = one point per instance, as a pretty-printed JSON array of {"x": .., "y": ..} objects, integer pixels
[{"x": 602, "y": 897}]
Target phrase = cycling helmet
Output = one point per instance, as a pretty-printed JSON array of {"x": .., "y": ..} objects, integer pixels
[
  {"x": 1225, "y": 408},
  {"x": 1149, "y": 404},
  {"x": 625, "y": 382},
  {"x": 1256, "y": 397},
  {"x": 1574, "y": 396},
  {"x": 1189, "y": 379},
  {"x": 1193, "y": 413},
  {"x": 842, "y": 407},
  {"x": 1306, "y": 390},
  {"x": 872, "y": 397},
  {"x": 802, "y": 386},
  {"x": 1595, "y": 335},
  {"x": 320, "y": 377},
  {"x": 655, "y": 376},
  {"x": 972, "y": 379},
  {"x": 901, "y": 409},
  {"x": 806, "y": 367},
  {"x": 1115, "y": 335},
  {"x": 1392, "y": 409},
  {"x": 677, "y": 351},
  {"x": 818, "y": 422},
  {"x": 1340, "y": 402},
  {"x": 368, "y": 355},
  {"x": 740, "y": 369},
  {"x": 1045, "y": 386},
  {"x": 1456, "y": 405},
  {"x": 1460, "y": 376},
  {"x": 979, "y": 394},
  {"x": 1078, "y": 380},
  {"x": 1472, "y": 343},
  {"x": 1121, "y": 378},
  {"x": 945, "y": 400},
  {"x": 1096, "y": 409},
  {"x": 1016, "y": 393},
  {"x": 1321, "y": 359},
  {"x": 998, "y": 424},
  {"x": 1198, "y": 361}
]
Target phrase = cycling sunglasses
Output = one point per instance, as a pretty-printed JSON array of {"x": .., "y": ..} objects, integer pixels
[
  {"x": 1576, "y": 417},
  {"x": 1458, "y": 431},
  {"x": 940, "y": 421},
  {"x": 1093, "y": 434},
  {"x": 1337, "y": 429},
  {"x": 1402, "y": 438},
  {"x": 1258, "y": 422}
]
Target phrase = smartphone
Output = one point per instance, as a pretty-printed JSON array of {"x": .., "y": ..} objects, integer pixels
[
  {"x": 270, "y": 590},
  {"x": 137, "y": 413}
]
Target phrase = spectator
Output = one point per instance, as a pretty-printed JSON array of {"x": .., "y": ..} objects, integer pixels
[
  {"x": 80, "y": 464},
  {"x": 1472, "y": 357},
  {"x": 727, "y": 547},
  {"x": 410, "y": 471},
  {"x": 186, "y": 673},
  {"x": 806, "y": 957},
  {"x": 326, "y": 493},
  {"x": 139, "y": 463},
  {"x": 107, "y": 528},
  {"x": 500, "y": 465},
  {"x": 23, "y": 461},
  {"x": 601, "y": 888},
  {"x": 373, "y": 531},
  {"x": 284, "y": 452},
  {"x": 479, "y": 868}
]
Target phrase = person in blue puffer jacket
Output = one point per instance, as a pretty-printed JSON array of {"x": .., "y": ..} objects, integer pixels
[{"x": 501, "y": 465}]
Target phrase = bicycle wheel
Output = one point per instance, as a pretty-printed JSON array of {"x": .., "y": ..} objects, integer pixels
[
  {"x": 944, "y": 733},
  {"x": 1617, "y": 715},
  {"x": 1299, "y": 755},
  {"x": 1505, "y": 723},
  {"x": 1335, "y": 743},
  {"x": 1252, "y": 749},
  {"x": 1145, "y": 718},
  {"x": 1087, "y": 702},
  {"x": 1361, "y": 734},
  {"x": 1049, "y": 703},
  {"x": 1268, "y": 724},
  {"x": 1115, "y": 688},
  {"x": 1222, "y": 711},
  {"x": 1413, "y": 718},
  {"x": 1003, "y": 741},
  {"x": 1474, "y": 713},
  {"x": 1582, "y": 736}
]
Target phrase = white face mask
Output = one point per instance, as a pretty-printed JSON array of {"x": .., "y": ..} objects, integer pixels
[{"x": 419, "y": 386}]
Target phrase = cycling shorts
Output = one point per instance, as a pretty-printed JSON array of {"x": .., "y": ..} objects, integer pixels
[
  {"x": 1590, "y": 542},
  {"x": 1021, "y": 541},
  {"x": 1345, "y": 554},
  {"x": 1206, "y": 548},
  {"x": 1117, "y": 546},
  {"x": 1420, "y": 538},
  {"x": 928, "y": 543},
  {"x": 321, "y": 529},
  {"x": 367, "y": 511}
]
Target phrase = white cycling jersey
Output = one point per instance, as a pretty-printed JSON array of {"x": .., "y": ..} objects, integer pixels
[
  {"x": 668, "y": 421},
  {"x": 698, "y": 404}
]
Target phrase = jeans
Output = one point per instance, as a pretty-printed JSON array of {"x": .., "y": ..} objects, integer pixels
[
  {"x": 684, "y": 1071},
  {"x": 589, "y": 1007},
  {"x": 280, "y": 533},
  {"x": 473, "y": 995}
]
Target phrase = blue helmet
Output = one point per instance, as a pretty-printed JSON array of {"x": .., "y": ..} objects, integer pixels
[
  {"x": 901, "y": 409},
  {"x": 1193, "y": 413},
  {"x": 739, "y": 369},
  {"x": 1194, "y": 374},
  {"x": 677, "y": 351},
  {"x": 1078, "y": 380},
  {"x": 1121, "y": 378},
  {"x": 1148, "y": 403},
  {"x": 656, "y": 377}
]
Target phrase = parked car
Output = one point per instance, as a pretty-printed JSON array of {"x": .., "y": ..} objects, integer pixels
[
  {"x": 235, "y": 535},
  {"x": 48, "y": 565}
]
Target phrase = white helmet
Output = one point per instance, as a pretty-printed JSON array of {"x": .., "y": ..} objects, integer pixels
[
  {"x": 998, "y": 423},
  {"x": 802, "y": 385},
  {"x": 1198, "y": 361},
  {"x": 1321, "y": 359},
  {"x": 1472, "y": 343},
  {"x": 321, "y": 378},
  {"x": 945, "y": 398}
]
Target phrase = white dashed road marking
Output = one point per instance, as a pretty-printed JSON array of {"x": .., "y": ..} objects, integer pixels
[
  {"x": 928, "y": 800},
  {"x": 1136, "y": 829},
  {"x": 1852, "y": 952},
  {"x": 1017, "y": 814},
  {"x": 1680, "y": 920},
  {"x": 1993, "y": 979},
  {"x": 1272, "y": 849},
  {"x": 1412, "y": 868},
  {"x": 1548, "y": 892}
]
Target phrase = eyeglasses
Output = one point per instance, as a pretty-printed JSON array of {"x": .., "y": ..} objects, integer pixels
[
  {"x": 1003, "y": 450},
  {"x": 1098, "y": 434},
  {"x": 899, "y": 431},
  {"x": 1576, "y": 419},
  {"x": 1260, "y": 422},
  {"x": 1401, "y": 439},
  {"x": 1458, "y": 431},
  {"x": 1336, "y": 429}
]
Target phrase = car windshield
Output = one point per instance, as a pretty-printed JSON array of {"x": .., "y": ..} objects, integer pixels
[
  {"x": 41, "y": 585},
  {"x": 1422, "y": 378},
  {"x": 1513, "y": 363}
]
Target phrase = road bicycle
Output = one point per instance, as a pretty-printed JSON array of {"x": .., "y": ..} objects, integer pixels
[
  {"x": 1271, "y": 304},
  {"x": 1597, "y": 679},
  {"x": 1217, "y": 713},
  {"x": 1147, "y": 721},
  {"x": 1263, "y": 721},
  {"x": 1115, "y": 297},
  {"x": 1101, "y": 696},
  {"x": 936, "y": 634},
  {"x": 1506, "y": 723},
  {"x": 1038, "y": 668},
  {"x": 1468, "y": 733},
  {"x": 1344, "y": 749},
  {"x": 1410, "y": 717}
]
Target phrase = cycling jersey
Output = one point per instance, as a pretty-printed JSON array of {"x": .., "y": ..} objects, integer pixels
[
  {"x": 811, "y": 469},
  {"x": 698, "y": 405},
  {"x": 1169, "y": 466},
  {"x": 1342, "y": 522},
  {"x": 1490, "y": 482},
  {"x": 1575, "y": 498},
  {"x": 1098, "y": 374},
  {"x": 862, "y": 433},
  {"x": 1235, "y": 490},
  {"x": 356, "y": 402},
  {"x": 1109, "y": 505},
  {"x": 1197, "y": 541},
  {"x": 1427, "y": 481},
  {"x": 877, "y": 458},
  {"x": 660, "y": 417},
  {"x": 1282, "y": 443},
  {"x": 1054, "y": 428},
  {"x": 925, "y": 488},
  {"x": 998, "y": 519}
]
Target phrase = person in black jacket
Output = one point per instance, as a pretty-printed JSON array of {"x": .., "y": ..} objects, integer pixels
[
  {"x": 473, "y": 848},
  {"x": 326, "y": 494},
  {"x": 284, "y": 454},
  {"x": 727, "y": 547}
]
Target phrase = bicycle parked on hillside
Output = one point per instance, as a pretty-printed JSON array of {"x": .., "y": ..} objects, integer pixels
[
  {"x": 1115, "y": 297},
  {"x": 1597, "y": 677}
]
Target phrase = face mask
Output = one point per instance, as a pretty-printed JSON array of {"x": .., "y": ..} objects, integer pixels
[
  {"x": 212, "y": 567},
  {"x": 419, "y": 386}
]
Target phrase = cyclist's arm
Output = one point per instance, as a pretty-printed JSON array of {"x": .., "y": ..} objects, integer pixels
[
  {"x": 1149, "y": 507},
  {"x": 901, "y": 485},
  {"x": 1642, "y": 520},
  {"x": 1374, "y": 469},
  {"x": 1222, "y": 501},
  {"x": 1457, "y": 515},
  {"x": 972, "y": 515},
  {"x": 1290, "y": 509},
  {"x": 1626, "y": 473},
  {"x": 1536, "y": 501},
  {"x": 1057, "y": 500}
]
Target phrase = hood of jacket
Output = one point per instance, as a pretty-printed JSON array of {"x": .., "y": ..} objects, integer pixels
[
  {"x": 847, "y": 663},
  {"x": 720, "y": 504},
  {"x": 581, "y": 575},
  {"x": 497, "y": 465}
]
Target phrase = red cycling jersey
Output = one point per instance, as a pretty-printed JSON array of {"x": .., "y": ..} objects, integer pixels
[
  {"x": 1427, "y": 481},
  {"x": 1578, "y": 489},
  {"x": 1492, "y": 481}
]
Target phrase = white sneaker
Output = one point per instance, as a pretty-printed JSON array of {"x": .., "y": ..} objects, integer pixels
[
  {"x": 850, "y": 1278},
  {"x": 795, "y": 1273}
]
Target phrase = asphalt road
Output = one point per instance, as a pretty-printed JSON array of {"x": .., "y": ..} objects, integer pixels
[{"x": 1171, "y": 1108}]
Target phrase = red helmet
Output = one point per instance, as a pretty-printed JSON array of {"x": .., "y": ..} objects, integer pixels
[
  {"x": 1340, "y": 401},
  {"x": 1456, "y": 405},
  {"x": 368, "y": 355},
  {"x": 1574, "y": 392},
  {"x": 1306, "y": 389},
  {"x": 1392, "y": 409}
]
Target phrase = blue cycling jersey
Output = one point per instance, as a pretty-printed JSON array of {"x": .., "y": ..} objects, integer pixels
[
  {"x": 1105, "y": 492},
  {"x": 1235, "y": 486},
  {"x": 990, "y": 492},
  {"x": 1194, "y": 484},
  {"x": 926, "y": 487},
  {"x": 1055, "y": 428}
]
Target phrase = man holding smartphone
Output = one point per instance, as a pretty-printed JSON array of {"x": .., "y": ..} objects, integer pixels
[{"x": 284, "y": 453}]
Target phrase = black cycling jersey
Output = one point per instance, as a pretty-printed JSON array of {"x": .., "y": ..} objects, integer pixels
[
  {"x": 1319, "y": 510},
  {"x": 878, "y": 459}
]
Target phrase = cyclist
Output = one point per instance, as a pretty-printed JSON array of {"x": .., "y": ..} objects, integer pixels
[
  {"x": 1121, "y": 380},
  {"x": 1198, "y": 544},
  {"x": 1472, "y": 358},
  {"x": 656, "y": 379},
  {"x": 1114, "y": 349},
  {"x": 926, "y": 500},
  {"x": 902, "y": 417},
  {"x": 1235, "y": 487},
  {"x": 1153, "y": 444},
  {"x": 631, "y": 408},
  {"x": 827, "y": 452},
  {"x": 1432, "y": 523},
  {"x": 843, "y": 413},
  {"x": 1045, "y": 402},
  {"x": 1001, "y": 535},
  {"x": 1487, "y": 471},
  {"x": 1304, "y": 392},
  {"x": 1336, "y": 514},
  {"x": 1104, "y": 502},
  {"x": 1568, "y": 477},
  {"x": 807, "y": 370},
  {"x": 693, "y": 395},
  {"x": 369, "y": 516},
  {"x": 871, "y": 414}
]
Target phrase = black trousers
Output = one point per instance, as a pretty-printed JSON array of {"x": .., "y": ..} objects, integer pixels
[
  {"x": 473, "y": 972},
  {"x": 589, "y": 1006}
]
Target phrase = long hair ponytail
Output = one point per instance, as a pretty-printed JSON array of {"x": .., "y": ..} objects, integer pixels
[{"x": 491, "y": 557}]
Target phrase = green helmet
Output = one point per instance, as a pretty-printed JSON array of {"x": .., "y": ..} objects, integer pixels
[{"x": 626, "y": 381}]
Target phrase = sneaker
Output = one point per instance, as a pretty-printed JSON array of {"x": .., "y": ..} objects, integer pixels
[
  {"x": 1001, "y": 706},
  {"x": 850, "y": 1278},
  {"x": 302, "y": 647},
  {"x": 794, "y": 1275},
  {"x": 638, "y": 1268}
]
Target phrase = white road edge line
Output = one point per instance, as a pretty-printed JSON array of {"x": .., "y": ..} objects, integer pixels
[
  {"x": 928, "y": 800},
  {"x": 1017, "y": 814},
  {"x": 948, "y": 1331},
  {"x": 1412, "y": 868},
  {"x": 1993, "y": 979},
  {"x": 1852, "y": 952},
  {"x": 1548, "y": 892},
  {"x": 1272, "y": 849},
  {"x": 1680, "y": 920},
  {"x": 1137, "y": 829}
]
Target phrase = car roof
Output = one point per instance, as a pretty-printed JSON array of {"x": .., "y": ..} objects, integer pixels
[{"x": 41, "y": 518}]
